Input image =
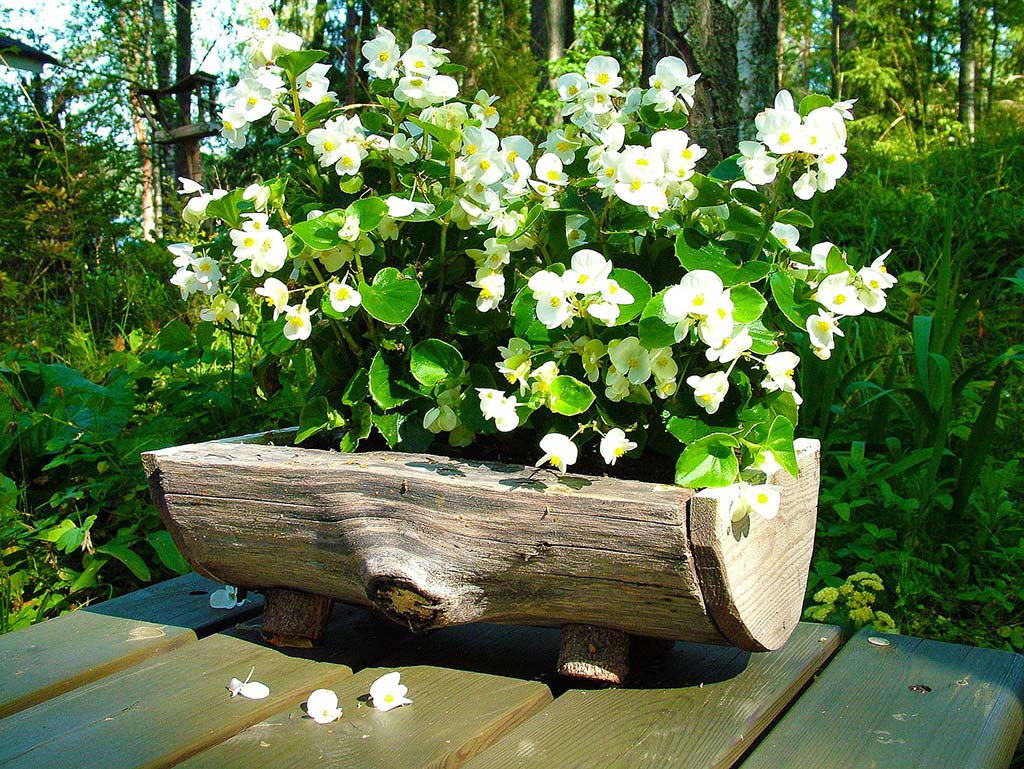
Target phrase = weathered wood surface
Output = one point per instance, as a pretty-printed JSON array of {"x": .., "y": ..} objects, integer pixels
[
  {"x": 700, "y": 707},
  {"x": 907, "y": 703},
  {"x": 66, "y": 652},
  {"x": 431, "y": 541},
  {"x": 757, "y": 613},
  {"x": 454, "y": 716}
]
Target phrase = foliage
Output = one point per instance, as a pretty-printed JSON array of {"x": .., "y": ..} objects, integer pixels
[{"x": 851, "y": 603}]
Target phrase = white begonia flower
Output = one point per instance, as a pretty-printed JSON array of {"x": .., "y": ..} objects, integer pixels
[
  {"x": 400, "y": 208},
  {"x": 767, "y": 462},
  {"x": 188, "y": 186},
  {"x": 724, "y": 348},
  {"x": 440, "y": 419},
  {"x": 615, "y": 444},
  {"x": 787, "y": 234},
  {"x": 208, "y": 274},
  {"x": 421, "y": 59},
  {"x": 250, "y": 98},
  {"x": 779, "y": 367},
  {"x": 830, "y": 167},
  {"x": 823, "y": 328},
  {"x": 223, "y": 309},
  {"x": 671, "y": 73},
  {"x": 441, "y": 88},
  {"x": 248, "y": 688},
  {"x": 328, "y": 142},
  {"x": 234, "y": 127},
  {"x": 314, "y": 86},
  {"x": 631, "y": 359},
  {"x": 806, "y": 185},
  {"x": 515, "y": 361},
  {"x": 382, "y": 54},
  {"x": 225, "y": 598},
  {"x": 402, "y": 149},
  {"x": 709, "y": 390},
  {"x": 515, "y": 147},
  {"x": 661, "y": 99},
  {"x": 276, "y": 294},
  {"x": 575, "y": 235},
  {"x": 819, "y": 254},
  {"x": 780, "y": 127},
  {"x": 298, "y": 325},
  {"x": 663, "y": 364},
  {"x": 592, "y": 352},
  {"x": 549, "y": 170},
  {"x": 837, "y": 294},
  {"x": 542, "y": 377},
  {"x": 483, "y": 109},
  {"x": 343, "y": 296},
  {"x": 763, "y": 499},
  {"x": 553, "y": 307},
  {"x": 494, "y": 404},
  {"x": 350, "y": 158},
  {"x": 559, "y": 144},
  {"x": 387, "y": 693},
  {"x": 824, "y": 128},
  {"x": 570, "y": 86},
  {"x": 558, "y": 450},
  {"x": 878, "y": 268},
  {"x": 758, "y": 166},
  {"x": 617, "y": 386},
  {"x": 697, "y": 293},
  {"x": 588, "y": 274},
  {"x": 259, "y": 194},
  {"x": 282, "y": 120},
  {"x": 322, "y": 706},
  {"x": 492, "y": 289},
  {"x": 603, "y": 71}
]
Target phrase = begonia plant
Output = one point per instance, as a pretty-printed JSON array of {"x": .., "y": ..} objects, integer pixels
[{"x": 592, "y": 294}]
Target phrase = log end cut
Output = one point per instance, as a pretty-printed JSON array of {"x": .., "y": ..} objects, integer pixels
[{"x": 753, "y": 572}]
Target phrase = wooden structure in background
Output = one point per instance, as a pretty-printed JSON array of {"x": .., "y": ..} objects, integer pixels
[{"x": 183, "y": 128}]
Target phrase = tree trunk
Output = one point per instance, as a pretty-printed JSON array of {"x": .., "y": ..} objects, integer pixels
[
  {"x": 651, "y": 42},
  {"x": 150, "y": 231},
  {"x": 163, "y": 168},
  {"x": 965, "y": 92},
  {"x": 186, "y": 154},
  {"x": 319, "y": 25},
  {"x": 757, "y": 48},
  {"x": 844, "y": 39},
  {"x": 703, "y": 34},
  {"x": 551, "y": 32},
  {"x": 992, "y": 58}
]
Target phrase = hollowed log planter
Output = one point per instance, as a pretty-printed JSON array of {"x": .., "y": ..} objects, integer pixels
[{"x": 430, "y": 541}]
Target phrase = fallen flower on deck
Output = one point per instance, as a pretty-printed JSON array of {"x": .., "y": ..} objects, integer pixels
[
  {"x": 322, "y": 706},
  {"x": 387, "y": 693},
  {"x": 252, "y": 690}
]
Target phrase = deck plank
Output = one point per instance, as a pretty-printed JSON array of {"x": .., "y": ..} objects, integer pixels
[
  {"x": 176, "y": 704},
  {"x": 700, "y": 707},
  {"x": 454, "y": 715},
  {"x": 911, "y": 704},
  {"x": 61, "y": 654}
]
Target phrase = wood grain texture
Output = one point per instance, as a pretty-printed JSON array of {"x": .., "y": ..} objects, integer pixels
[
  {"x": 700, "y": 707},
  {"x": 454, "y": 715},
  {"x": 432, "y": 542},
  {"x": 753, "y": 573},
  {"x": 913, "y": 704},
  {"x": 161, "y": 711},
  {"x": 42, "y": 661}
]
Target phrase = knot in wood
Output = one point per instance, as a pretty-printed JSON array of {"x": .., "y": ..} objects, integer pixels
[{"x": 407, "y": 604}]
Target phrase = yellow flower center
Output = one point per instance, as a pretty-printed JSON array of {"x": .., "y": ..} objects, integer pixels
[
  {"x": 383, "y": 56},
  {"x": 823, "y": 326},
  {"x": 784, "y": 138},
  {"x": 762, "y": 498},
  {"x": 603, "y": 78}
]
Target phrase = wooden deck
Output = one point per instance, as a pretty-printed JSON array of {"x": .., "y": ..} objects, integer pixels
[{"x": 141, "y": 682}]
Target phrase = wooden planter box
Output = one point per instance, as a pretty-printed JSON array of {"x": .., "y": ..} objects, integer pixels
[{"x": 430, "y": 541}]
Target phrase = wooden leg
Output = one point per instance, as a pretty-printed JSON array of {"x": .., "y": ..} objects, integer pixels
[
  {"x": 295, "y": 619},
  {"x": 594, "y": 653}
]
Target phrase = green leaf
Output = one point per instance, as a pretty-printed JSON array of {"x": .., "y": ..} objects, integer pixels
[
  {"x": 748, "y": 304},
  {"x": 728, "y": 170},
  {"x": 382, "y": 384},
  {"x": 708, "y": 462},
  {"x": 531, "y": 219},
  {"x": 128, "y": 557},
  {"x": 174, "y": 337},
  {"x": 780, "y": 441},
  {"x": 763, "y": 339},
  {"x": 688, "y": 429},
  {"x": 321, "y": 233},
  {"x": 653, "y": 330},
  {"x": 359, "y": 427},
  {"x": 635, "y": 285},
  {"x": 297, "y": 62},
  {"x": 524, "y": 318},
  {"x": 370, "y": 212},
  {"x": 570, "y": 396},
  {"x": 227, "y": 208},
  {"x": 752, "y": 198},
  {"x": 392, "y": 298},
  {"x": 794, "y": 217},
  {"x": 388, "y": 425},
  {"x": 783, "y": 287},
  {"x": 812, "y": 101},
  {"x": 659, "y": 120},
  {"x": 711, "y": 256},
  {"x": 87, "y": 579},
  {"x": 433, "y": 361},
  {"x": 357, "y": 389},
  {"x": 448, "y": 137},
  {"x": 168, "y": 552},
  {"x": 317, "y": 416}
]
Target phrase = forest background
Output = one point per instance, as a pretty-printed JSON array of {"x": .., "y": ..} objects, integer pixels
[{"x": 919, "y": 411}]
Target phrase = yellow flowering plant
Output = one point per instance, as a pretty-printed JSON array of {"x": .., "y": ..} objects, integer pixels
[{"x": 592, "y": 290}]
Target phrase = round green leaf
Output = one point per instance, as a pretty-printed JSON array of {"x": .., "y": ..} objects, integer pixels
[
  {"x": 748, "y": 304},
  {"x": 707, "y": 462},
  {"x": 638, "y": 287},
  {"x": 392, "y": 298},
  {"x": 570, "y": 396},
  {"x": 433, "y": 361},
  {"x": 383, "y": 389},
  {"x": 654, "y": 332}
]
